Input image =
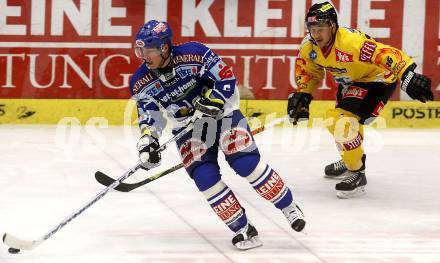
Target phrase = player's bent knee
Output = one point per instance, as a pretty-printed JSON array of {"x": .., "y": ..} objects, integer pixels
[
  {"x": 342, "y": 122},
  {"x": 260, "y": 169},
  {"x": 206, "y": 175},
  {"x": 245, "y": 164}
]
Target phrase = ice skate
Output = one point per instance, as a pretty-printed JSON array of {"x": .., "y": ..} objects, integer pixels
[
  {"x": 336, "y": 170},
  {"x": 246, "y": 238},
  {"x": 352, "y": 186},
  {"x": 295, "y": 217}
]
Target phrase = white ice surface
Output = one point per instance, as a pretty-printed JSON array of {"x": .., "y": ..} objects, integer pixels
[{"x": 46, "y": 173}]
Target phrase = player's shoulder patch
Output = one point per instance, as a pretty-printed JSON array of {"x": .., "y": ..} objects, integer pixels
[
  {"x": 356, "y": 34},
  {"x": 351, "y": 30},
  {"x": 350, "y": 40},
  {"x": 221, "y": 71}
]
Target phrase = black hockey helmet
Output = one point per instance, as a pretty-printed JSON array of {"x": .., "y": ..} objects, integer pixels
[{"x": 321, "y": 13}]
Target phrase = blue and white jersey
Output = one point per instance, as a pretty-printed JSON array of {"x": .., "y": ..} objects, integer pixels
[{"x": 195, "y": 69}]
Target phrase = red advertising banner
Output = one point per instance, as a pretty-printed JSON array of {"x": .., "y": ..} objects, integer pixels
[{"x": 84, "y": 48}]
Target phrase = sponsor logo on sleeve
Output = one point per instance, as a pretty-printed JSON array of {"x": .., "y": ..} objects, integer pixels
[
  {"x": 221, "y": 71},
  {"x": 367, "y": 51}
]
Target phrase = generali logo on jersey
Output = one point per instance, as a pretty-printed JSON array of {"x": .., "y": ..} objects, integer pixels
[{"x": 342, "y": 56}]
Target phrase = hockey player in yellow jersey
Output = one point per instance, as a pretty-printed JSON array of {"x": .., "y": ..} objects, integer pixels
[{"x": 366, "y": 72}]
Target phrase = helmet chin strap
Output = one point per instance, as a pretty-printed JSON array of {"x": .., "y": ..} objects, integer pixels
[
  {"x": 165, "y": 71},
  {"x": 333, "y": 36},
  {"x": 164, "y": 59},
  {"x": 330, "y": 42}
]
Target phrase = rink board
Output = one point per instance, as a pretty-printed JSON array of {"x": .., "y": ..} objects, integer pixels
[{"x": 396, "y": 114}]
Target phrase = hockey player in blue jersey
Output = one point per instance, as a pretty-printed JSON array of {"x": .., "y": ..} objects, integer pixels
[{"x": 190, "y": 83}]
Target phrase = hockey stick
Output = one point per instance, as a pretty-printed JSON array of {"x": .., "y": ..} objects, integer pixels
[
  {"x": 106, "y": 180},
  {"x": 16, "y": 244}
]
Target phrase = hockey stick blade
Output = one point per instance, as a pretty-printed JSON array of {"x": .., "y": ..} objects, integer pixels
[
  {"x": 14, "y": 242},
  {"x": 106, "y": 180}
]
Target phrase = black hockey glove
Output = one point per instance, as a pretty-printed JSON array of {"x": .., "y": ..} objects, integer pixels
[
  {"x": 208, "y": 106},
  {"x": 149, "y": 156},
  {"x": 417, "y": 86},
  {"x": 298, "y": 106}
]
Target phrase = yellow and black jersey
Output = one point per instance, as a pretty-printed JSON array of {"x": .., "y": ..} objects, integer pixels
[{"x": 354, "y": 57}]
